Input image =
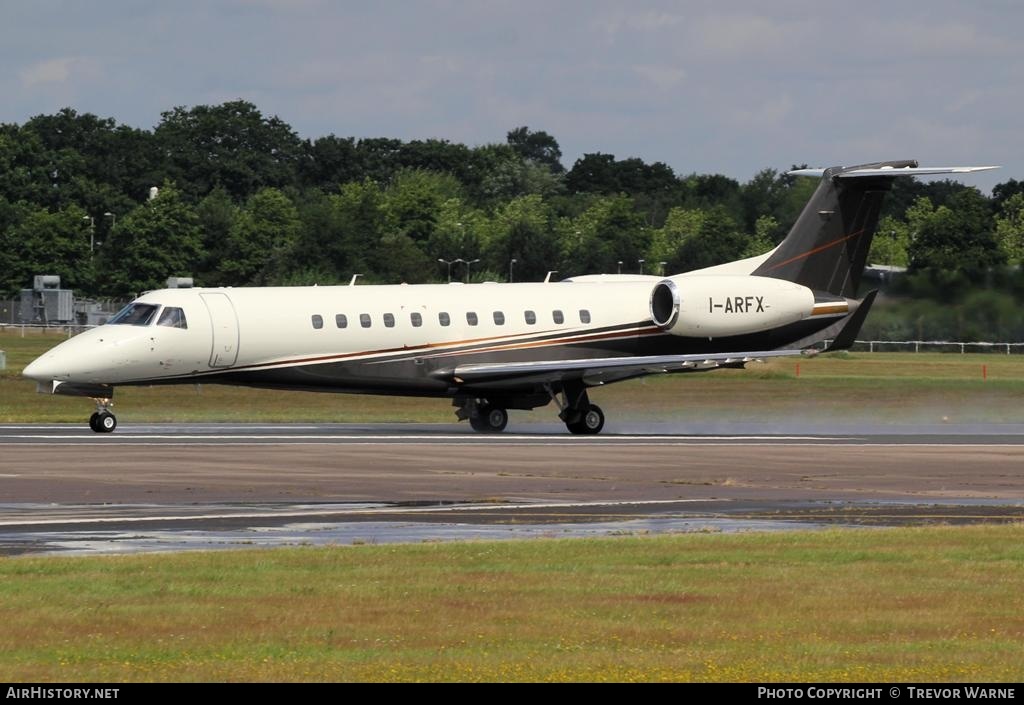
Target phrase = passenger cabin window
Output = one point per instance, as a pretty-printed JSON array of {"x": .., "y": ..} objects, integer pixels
[
  {"x": 134, "y": 315},
  {"x": 471, "y": 318},
  {"x": 341, "y": 320},
  {"x": 416, "y": 319},
  {"x": 444, "y": 319},
  {"x": 584, "y": 316},
  {"x": 318, "y": 321},
  {"x": 558, "y": 317},
  {"x": 499, "y": 318},
  {"x": 389, "y": 320},
  {"x": 172, "y": 317},
  {"x": 364, "y": 320},
  {"x": 531, "y": 317}
]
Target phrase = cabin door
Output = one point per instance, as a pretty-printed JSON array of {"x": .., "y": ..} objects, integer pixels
[{"x": 224, "y": 322}]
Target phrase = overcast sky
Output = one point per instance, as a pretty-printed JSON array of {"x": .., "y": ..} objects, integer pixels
[{"x": 726, "y": 87}]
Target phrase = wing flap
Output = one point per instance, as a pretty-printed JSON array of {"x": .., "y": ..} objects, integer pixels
[{"x": 604, "y": 369}]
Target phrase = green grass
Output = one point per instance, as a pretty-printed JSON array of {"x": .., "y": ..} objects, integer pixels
[
  {"x": 921, "y": 604},
  {"x": 877, "y": 387}
]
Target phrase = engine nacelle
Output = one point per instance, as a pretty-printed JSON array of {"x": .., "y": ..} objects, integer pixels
[{"x": 721, "y": 306}]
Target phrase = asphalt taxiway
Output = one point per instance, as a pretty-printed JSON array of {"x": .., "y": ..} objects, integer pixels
[{"x": 176, "y": 486}]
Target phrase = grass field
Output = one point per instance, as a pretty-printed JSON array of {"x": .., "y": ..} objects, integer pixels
[
  {"x": 926, "y": 604},
  {"x": 876, "y": 387},
  {"x": 912, "y": 604}
]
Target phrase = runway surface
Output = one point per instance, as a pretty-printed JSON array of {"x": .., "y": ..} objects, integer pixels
[{"x": 172, "y": 487}]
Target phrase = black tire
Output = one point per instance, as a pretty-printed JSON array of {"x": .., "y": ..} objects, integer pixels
[
  {"x": 93, "y": 422},
  {"x": 106, "y": 422},
  {"x": 590, "y": 422},
  {"x": 489, "y": 419}
]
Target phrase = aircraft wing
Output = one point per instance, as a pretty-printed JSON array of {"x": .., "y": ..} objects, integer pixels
[{"x": 597, "y": 371}]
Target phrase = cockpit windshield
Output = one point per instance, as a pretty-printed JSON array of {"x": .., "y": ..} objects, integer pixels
[
  {"x": 172, "y": 317},
  {"x": 135, "y": 314}
]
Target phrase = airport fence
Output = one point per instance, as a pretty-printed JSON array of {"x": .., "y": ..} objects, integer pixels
[
  {"x": 27, "y": 329},
  {"x": 87, "y": 312},
  {"x": 937, "y": 346}
]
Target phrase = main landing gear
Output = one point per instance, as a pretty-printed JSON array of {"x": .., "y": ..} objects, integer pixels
[
  {"x": 102, "y": 421},
  {"x": 486, "y": 418},
  {"x": 579, "y": 415},
  {"x": 589, "y": 423}
]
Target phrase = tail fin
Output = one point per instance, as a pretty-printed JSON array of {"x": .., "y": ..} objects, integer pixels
[{"x": 827, "y": 247}]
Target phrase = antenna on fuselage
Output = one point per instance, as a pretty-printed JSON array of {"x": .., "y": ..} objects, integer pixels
[
  {"x": 352, "y": 282},
  {"x": 547, "y": 279}
]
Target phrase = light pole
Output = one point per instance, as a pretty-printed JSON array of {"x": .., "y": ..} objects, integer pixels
[
  {"x": 449, "y": 263},
  {"x": 113, "y": 222},
  {"x": 662, "y": 267},
  {"x": 92, "y": 232},
  {"x": 641, "y": 263},
  {"x": 620, "y": 267},
  {"x": 469, "y": 262},
  {"x": 511, "y": 264}
]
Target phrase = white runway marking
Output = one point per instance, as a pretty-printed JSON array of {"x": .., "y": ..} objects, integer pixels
[
  {"x": 421, "y": 438},
  {"x": 528, "y": 442},
  {"x": 336, "y": 510}
]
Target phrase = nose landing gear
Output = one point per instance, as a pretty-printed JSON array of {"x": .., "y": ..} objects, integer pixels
[{"x": 102, "y": 421}]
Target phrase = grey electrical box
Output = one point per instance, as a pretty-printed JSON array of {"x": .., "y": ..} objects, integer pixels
[
  {"x": 179, "y": 282},
  {"x": 46, "y": 302},
  {"x": 91, "y": 313}
]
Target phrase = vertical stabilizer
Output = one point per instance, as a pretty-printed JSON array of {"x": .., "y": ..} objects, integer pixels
[{"x": 827, "y": 247}]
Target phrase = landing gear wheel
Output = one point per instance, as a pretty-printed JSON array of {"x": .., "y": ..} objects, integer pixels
[
  {"x": 589, "y": 423},
  {"x": 105, "y": 422},
  {"x": 489, "y": 419}
]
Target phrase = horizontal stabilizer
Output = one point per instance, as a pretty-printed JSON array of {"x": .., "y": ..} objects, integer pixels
[{"x": 894, "y": 171}]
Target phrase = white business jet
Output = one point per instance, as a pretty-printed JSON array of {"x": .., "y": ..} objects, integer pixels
[{"x": 494, "y": 347}]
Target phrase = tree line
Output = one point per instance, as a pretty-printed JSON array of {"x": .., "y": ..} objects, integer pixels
[{"x": 243, "y": 199}]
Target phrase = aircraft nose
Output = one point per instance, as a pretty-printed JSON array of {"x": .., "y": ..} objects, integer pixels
[
  {"x": 45, "y": 368},
  {"x": 37, "y": 370},
  {"x": 68, "y": 361}
]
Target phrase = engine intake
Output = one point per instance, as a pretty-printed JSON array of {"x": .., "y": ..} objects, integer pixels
[{"x": 665, "y": 304}]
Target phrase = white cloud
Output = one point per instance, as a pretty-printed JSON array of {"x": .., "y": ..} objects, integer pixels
[
  {"x": 59, "y": 71},
  {"x": 938, "y": 39},
  {"x": 664, "y": 77},
  {"x": 617, "y": 23},
  {"x": 769, "y": 113},
  {"x": 745, "y": 34}
]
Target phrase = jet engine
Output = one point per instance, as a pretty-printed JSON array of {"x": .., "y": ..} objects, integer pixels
[{"x": 720, "y": 306}]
